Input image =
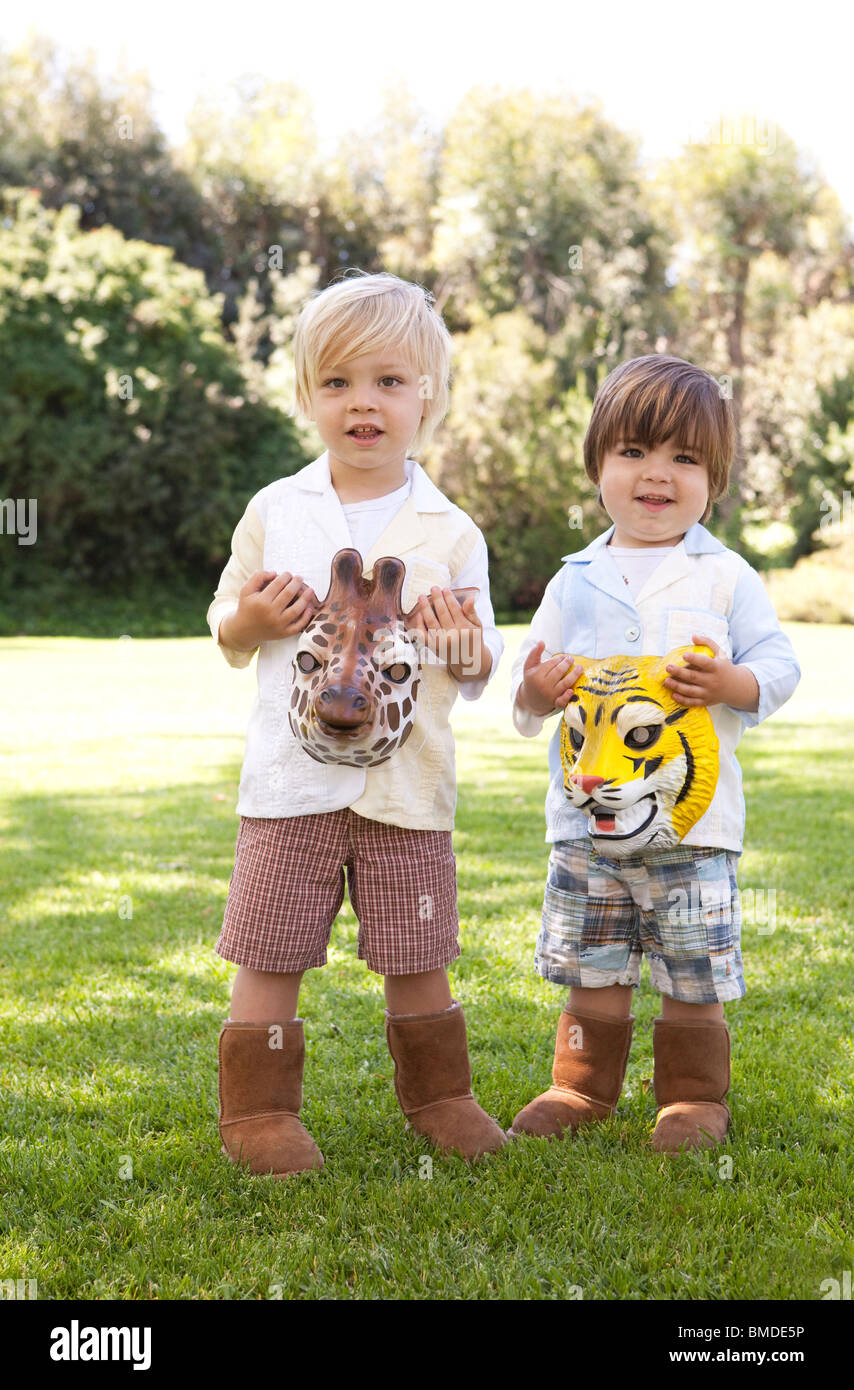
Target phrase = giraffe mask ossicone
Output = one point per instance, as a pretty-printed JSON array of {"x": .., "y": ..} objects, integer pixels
[{"x": 357, "y": 667}]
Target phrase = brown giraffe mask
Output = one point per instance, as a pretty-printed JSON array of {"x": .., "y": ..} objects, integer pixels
[{"x": 356, "y": 672}]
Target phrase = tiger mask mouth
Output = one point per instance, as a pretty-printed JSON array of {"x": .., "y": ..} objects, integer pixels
[{"x": 641, "y": 766}]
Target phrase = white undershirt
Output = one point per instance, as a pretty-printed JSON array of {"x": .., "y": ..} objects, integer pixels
[
  {"x": 368, "y": 520},
  {"x": 636, "y": 563}
]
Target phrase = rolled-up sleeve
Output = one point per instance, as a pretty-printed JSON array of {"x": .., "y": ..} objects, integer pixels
[
  {"x": 247, "y": 556},
  {"x": 545, "y": 627},
  {"x": 759, "y": 643},
  {"x": 475, "y": 575}
]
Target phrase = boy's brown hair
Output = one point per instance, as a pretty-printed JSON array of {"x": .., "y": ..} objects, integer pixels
[{"x": 650, "y": 399}]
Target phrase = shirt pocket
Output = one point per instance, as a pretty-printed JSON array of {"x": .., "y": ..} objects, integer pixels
[
  {"x": 421, "y": 575},
  {"x": 680, "y": 624}
]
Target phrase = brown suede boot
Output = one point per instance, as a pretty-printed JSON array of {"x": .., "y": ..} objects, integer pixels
[
  {"x": 691, "y": 1079},
  {"x": 260, "y": 1093},
  {"x": 432, "y": 1078},
  {"x": 591, "y": 1055}
]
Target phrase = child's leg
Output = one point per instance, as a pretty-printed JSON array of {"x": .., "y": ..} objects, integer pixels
[
  {"x": 285, "y": 892},
  {"x": 403, "y": 888},
  {"x": 264, "y": 996},
  {"x": 426, "y": 1036},
  {"x": 677, "y": 1008},
  {"x": 613, "y": 1000},
  {"x": 426, "y": 993},
  {"x": 691, "y": 1076},
  {"x": 693, "y": 935},
  {"x": 588, "y": 930}
]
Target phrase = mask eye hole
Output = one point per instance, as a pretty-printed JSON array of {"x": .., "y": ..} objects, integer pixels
[
  {"x": 398, "y": 672},
  {"x": 307, "y": 662},
  {"x": 644, "y": 737},
  {"x": 576, "y": 738}
]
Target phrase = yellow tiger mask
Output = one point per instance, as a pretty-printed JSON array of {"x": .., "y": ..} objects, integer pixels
[{"x": 642, "y": 767}]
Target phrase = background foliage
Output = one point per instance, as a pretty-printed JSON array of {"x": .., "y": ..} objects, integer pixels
[{"x": 553, "y": 255}]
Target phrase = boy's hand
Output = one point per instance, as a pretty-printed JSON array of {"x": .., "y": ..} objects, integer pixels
[
  {"x": 453, "y": 632},
  {"x": 547, "y": 685},
  {"x": 271, "y": 606},
  {"x": 707, "y": 680}
]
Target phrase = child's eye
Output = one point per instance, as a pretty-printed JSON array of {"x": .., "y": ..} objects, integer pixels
[
  {"x": 632, "y": 449},
  {"x": 341, "y": 381}
]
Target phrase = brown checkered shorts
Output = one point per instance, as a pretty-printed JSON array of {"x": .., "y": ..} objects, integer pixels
[{"x": 288, "y": 886}]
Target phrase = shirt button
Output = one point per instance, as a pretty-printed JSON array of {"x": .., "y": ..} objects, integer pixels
[{"x": 632, "y": 633}]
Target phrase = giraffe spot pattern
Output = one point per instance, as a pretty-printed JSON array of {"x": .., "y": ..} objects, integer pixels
[{"x": 393, "y": 717}]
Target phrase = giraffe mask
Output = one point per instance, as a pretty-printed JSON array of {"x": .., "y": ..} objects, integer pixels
[{"x": 356, "y": 671}]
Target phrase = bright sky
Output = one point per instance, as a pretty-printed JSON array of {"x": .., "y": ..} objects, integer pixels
[{"x": 664, "y": 69}]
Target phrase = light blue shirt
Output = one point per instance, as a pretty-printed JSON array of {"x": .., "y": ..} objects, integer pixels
[{"x": 700, "y": 587}]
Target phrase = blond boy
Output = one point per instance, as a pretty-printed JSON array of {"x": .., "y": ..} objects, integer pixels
[{"x": 372, "y": 366}]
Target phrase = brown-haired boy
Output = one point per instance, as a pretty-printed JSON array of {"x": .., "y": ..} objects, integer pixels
[{"x": 659, "y": 446}]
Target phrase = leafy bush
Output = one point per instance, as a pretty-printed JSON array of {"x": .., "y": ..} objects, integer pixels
[
  {"x": 510, "y": 453},
  {"x": 820, "y": 587},
  {"x": 123, "y": 411}
]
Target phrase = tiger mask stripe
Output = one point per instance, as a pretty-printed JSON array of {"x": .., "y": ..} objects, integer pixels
[{"x": 620, "y": 710}]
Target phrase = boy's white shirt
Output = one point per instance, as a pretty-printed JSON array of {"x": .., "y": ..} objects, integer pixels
[
  {"x": 700, "y": 587},
  {"x": 298, "y": 524}
]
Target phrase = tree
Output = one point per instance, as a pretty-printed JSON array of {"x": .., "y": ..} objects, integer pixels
[
  {"x": 510, "y": 453},
  {"x": 735, "y": 198},
  {"x": 80, "y": 139},
  {"x": 541, "y": 205},
  {"x": 122, "y": 408}
]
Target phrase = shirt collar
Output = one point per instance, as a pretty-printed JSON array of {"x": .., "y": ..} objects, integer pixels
[
  {"x": 697, "y": 541},
  {"x": 316, "y": 477}
]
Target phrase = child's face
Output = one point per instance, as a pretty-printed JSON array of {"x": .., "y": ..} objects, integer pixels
[
  {"x": 377, "y": 389},
  {"x": 652, "y": 495}
]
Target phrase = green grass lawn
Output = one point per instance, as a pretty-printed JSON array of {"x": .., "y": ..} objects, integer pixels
[{"x": 120, "y": 766}]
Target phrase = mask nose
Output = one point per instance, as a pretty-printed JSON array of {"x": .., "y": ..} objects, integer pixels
[
  {"x": 587, "y": 784},
  {"x": 344, "y": 707}
]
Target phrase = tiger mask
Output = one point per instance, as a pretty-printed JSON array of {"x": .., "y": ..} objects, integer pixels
[{"x": 643, "y": 767}]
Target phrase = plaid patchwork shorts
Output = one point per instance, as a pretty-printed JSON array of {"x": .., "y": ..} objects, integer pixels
[
  {"x": 287, "y": 888},
  {"x": 678, "y": 907}
]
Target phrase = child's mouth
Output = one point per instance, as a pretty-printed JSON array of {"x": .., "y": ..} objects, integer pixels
[
  {"x": 655, "y": 504},
  {"x": 365, "y": 436}
]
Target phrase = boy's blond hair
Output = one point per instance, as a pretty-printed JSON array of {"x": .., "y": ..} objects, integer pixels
[
  {"x": 376, "y": 313},
  {"x": 649, "y": 399}
]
